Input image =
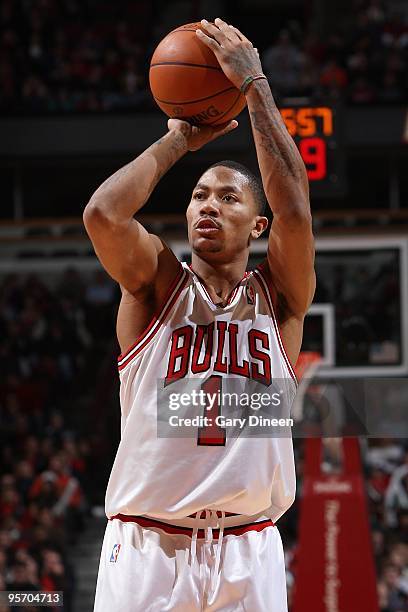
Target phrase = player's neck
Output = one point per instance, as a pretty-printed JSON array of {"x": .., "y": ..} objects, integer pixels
[{"x": 219, "y": 278}]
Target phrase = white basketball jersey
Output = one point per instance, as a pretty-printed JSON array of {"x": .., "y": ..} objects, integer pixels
[{"x": 191, "y": 337}]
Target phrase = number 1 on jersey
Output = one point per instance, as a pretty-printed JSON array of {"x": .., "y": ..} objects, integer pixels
[{"x": 212, "y": 434}]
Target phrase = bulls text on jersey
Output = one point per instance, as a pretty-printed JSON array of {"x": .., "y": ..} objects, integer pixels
[{"x": 186, "y": 347}]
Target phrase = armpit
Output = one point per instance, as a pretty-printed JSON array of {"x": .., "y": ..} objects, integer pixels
[
  {"x": 283, "y": 312},
  {"x": 143, "y": 295}
]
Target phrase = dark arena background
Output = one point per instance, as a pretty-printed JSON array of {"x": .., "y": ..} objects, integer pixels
[{"x": 75, "y": 106}]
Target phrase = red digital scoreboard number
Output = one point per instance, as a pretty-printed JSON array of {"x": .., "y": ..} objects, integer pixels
[
  {"x": 315, "y": 131},
  {"x": 314, "y": 154}
]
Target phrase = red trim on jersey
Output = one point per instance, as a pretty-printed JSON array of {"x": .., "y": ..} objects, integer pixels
[
  {"x": 172, "y": 529},
  {"x": 263, "y": 268},
  {"x": 269, "y": 301},
  {"x": 159, "y": 316}
]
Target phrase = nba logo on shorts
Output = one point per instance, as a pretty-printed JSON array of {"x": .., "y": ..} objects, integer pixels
[
  {"x": 250, "y": 294},
  {"x": 115, "y": 553}
]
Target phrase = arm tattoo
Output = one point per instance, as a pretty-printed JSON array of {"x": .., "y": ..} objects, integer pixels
[
  {"x": 115, "y": 178},
  {"x": 173, "y": 154},
  {"x": 274, "y": 141}
]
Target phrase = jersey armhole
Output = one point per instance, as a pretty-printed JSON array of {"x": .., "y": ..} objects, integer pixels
[
  {"x": 263, "y": 276},
  {"x": 157, "y": 319},
  {"x": 263, "y": 269}
]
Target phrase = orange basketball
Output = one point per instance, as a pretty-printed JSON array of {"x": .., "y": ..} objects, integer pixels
[{"x": 188, "y": 83}]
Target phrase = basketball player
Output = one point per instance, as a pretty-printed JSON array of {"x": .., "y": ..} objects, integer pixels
[{"x": 192, "y": 522}]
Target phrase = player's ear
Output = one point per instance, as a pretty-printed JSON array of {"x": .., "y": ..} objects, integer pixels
[{"x": 261, "y": 223}]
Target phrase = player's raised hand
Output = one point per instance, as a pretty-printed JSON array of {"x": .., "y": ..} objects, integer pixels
[
  {"x": 200, "y": 135},
  {"x": 235, "y": 53}
]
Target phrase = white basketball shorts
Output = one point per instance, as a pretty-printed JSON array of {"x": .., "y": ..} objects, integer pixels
[{"x": 151, "y": 566}]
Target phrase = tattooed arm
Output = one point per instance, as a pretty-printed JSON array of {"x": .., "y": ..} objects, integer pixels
[
  {"x": 290, "y": 247},
  {"x": 126, "y": 250},
  {"x": 291, "y": 243},
  {"x": 282, "y": 169}
]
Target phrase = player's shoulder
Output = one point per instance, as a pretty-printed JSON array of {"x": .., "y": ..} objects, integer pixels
[
  {"x": 139, "y": 310},
  {"x": 168, "y": 268},
  {"x": 161, "y": 245}
]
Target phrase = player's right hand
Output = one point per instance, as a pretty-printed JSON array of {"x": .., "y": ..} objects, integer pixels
[
  {"x": 199, "y": 135},
  {"x": 235, "y": 53}
]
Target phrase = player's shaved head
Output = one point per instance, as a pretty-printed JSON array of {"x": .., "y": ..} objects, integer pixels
[{"x": 254, "y": 182}]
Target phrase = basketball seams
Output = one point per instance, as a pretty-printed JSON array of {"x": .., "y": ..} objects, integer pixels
[
  {"x": 198, "y": 99},
  {"x": 184, "y": 30},
  {"x": 189, "y": 64},
  {"x": 206, "y": 56}
]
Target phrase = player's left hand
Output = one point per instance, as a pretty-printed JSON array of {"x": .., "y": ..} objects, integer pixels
[
  {"x": 199, "y": 135},
  {"x": 235, "y": 53}
]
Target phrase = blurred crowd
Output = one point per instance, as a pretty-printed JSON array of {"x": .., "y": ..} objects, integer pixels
[
  {"x": 71, "y": 55},
  {"x": 363, "y": 60},
  {"x": 93, "y": 56},
  {"x": 387, "y": 487},
  {"x": 46, "y": 450}
]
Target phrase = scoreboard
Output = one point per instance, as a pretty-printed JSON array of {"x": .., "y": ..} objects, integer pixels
[{"x": 317, "y": 132}]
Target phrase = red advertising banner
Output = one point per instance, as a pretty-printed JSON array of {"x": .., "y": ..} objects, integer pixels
[{"x": 335, "y": 569}]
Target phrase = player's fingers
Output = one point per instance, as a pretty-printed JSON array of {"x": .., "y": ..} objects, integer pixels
[
  {"x": 240, "y": 35},
  {"x": 227, "y": 30},
  {"x": 179, "y": 124},
  {"x": 207, "y": 40},
  {"x": 236, "y": 31},
  {"x": 225, "y": 129},
  {"x": 214, "y": 31}
]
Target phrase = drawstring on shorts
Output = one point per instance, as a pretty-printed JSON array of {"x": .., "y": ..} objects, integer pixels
[{"x": 211, "y": 522}]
